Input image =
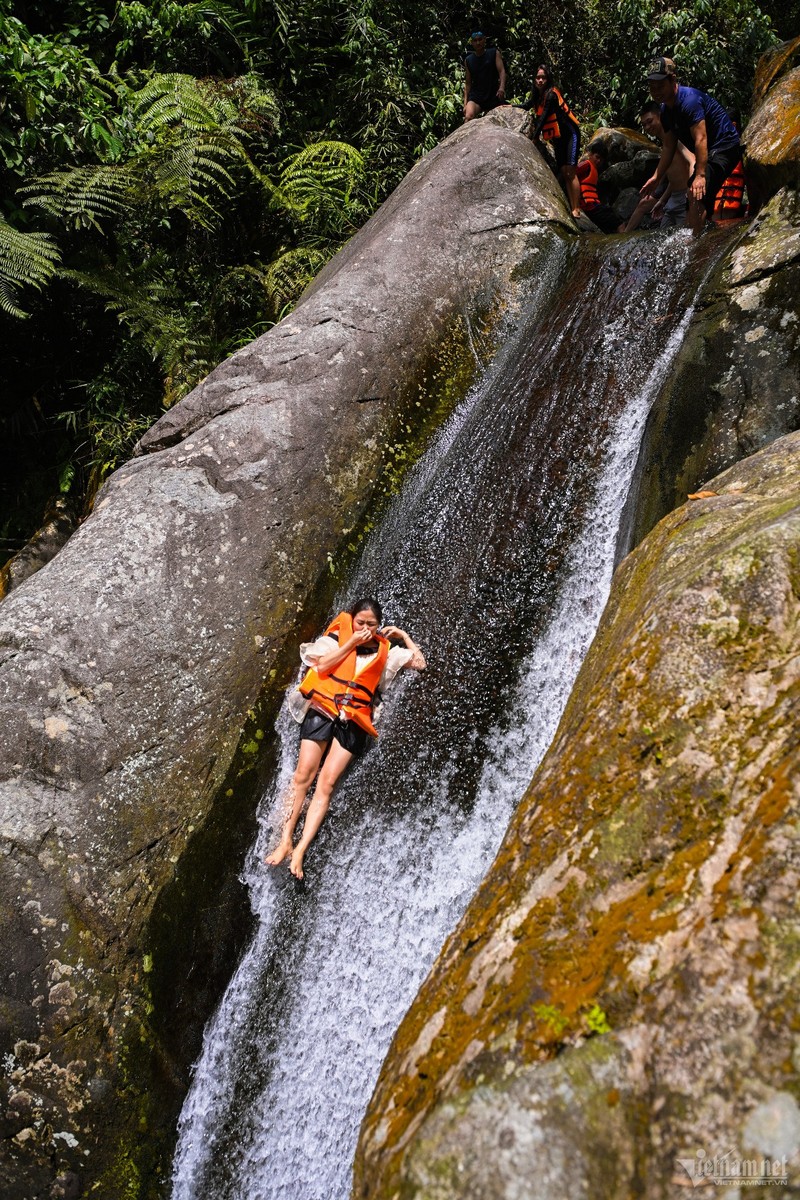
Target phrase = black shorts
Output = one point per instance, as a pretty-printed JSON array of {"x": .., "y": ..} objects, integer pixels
[
  {"x": 567, "y": 147},
  {"x": 486, "y": 103},
  {"x": 317, "y": 727},
  {"x": 719, "y": 166}
]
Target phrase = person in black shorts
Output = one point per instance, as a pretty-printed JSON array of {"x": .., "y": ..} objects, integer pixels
[
  {"x": 350, "y": 668},
  {"x": 484, "y": 78},
  {"x": 557, "y": 125},
  {"x": 701, "y": 124}
]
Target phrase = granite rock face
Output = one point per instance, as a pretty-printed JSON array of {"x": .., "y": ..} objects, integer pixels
[
  {"x": 772, "y": 65},
  {"x": 619, "y": 1005},
  {"x": 772, "y": 137},
  {"x": 58, "y": 527},
  {"x": 128, "y": 664}
]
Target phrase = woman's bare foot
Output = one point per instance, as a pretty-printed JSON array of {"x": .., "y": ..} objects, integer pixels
[
  {"x": 281, "y": 851},
  {"x": 296, "y": 864}
]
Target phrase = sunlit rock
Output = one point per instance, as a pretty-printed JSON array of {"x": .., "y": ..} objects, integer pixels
[
  {"x": 772, "y": 137},
  {"x": 772, "y": 65}
]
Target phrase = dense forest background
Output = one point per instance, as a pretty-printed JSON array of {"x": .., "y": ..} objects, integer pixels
[{"x": 173, "y": 173}]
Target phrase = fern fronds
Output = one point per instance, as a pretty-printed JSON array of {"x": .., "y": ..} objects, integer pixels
[
  {"x": 193, "y": 135},
  {"x": 84, "y": 196},
  {"x": 288, "y": 275},
  {"x": 323, "y": 174},
  {"x": 175, "y": 101},
  {"x": 26, "y": 260}
]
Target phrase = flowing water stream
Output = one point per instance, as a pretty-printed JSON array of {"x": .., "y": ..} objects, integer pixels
[{"x": 497, "y": 557}]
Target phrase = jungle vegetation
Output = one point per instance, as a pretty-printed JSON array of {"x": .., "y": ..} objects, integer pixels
[{"x": 173, "y": 173}]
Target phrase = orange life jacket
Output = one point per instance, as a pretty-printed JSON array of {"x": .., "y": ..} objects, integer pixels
[
  {"x": 589, "y": 177},
  {"x": 730, "y": 197},
  {"x": 551, "y": 128},
  {"x": 342, "y": 693}
]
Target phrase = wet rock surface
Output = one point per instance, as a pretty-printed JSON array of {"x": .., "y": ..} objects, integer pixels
[
  {"x": 129, "y": 663},
  {"x": 619, "y": 1003}
]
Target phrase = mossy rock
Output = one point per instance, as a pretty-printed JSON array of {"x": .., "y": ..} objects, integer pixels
[{"x": 650, "y": 875}]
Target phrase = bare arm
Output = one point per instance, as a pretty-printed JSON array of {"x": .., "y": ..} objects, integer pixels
[
  {"x": 417, "y": 660},
  {"x": 326, "y": 663},
  {"x": 667, "y": 155},
  {"x": 501, "y": 70},
  {"x": 700, "y": 135},
  {"x": 467, "y": 83}
]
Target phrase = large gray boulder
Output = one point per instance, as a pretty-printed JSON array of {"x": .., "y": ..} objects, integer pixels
[
  {"x": 129, "y": 663},
  {"x": 616, "y": 1014}
]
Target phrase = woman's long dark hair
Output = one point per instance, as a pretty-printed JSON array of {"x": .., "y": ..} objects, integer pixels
[{"x": 366, "y": 602}]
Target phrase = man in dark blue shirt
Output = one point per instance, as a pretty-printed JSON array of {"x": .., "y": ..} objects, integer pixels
[
  {"x": 696, "y": 119},
  {"x": 484, "y": 80}
]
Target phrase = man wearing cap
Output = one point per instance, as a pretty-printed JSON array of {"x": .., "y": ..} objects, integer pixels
[
  {"x": 484, "y": 78},
  {"x": 696, "y": 119}
]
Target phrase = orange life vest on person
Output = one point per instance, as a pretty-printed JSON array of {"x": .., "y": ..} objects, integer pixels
[
  {"x": 589, "y": 177},
  {"x": 551, "y": 128},
  {"x": 342, "y": 693},
  {"x": 730, "y": 197}
]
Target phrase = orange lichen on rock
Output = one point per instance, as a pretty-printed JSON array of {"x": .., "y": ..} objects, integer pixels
[{"x": 635, "y": 897}]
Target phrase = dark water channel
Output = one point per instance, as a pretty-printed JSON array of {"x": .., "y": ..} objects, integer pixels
[{"x": 497, "y": 557}]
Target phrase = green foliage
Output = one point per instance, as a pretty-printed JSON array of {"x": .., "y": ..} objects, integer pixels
[
  {"x": 321, "y": 182},
  {"x": 553, "y": 1018},
  {"x": 191, "y": 164},
  {"x": 288, "y": 275},
  {"x": 597, "y": 1021},
  {"x": 26, "y": 260},
  {"x": 206, "y": 36},
  {"x": 83, "y": 196},
  {"x": 56, "y": 104},
  {"x": 715, "y": 44}
]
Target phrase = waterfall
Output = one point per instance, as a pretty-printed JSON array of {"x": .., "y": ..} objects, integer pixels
[{"x": 497, "y": 557}]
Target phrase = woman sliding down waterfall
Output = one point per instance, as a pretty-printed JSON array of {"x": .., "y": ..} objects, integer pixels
[{"x": 351, "y": 666}]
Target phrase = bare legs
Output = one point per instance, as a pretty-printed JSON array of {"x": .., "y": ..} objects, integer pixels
[
  {"x": 471, "y": 111},
  {"x": 307, "y": 766},
  {"x": 305, "y": 772},
  {"x": 573, "y": 188}
]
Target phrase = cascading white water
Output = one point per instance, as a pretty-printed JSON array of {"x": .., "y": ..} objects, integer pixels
[{"x": 498, "y": 558}]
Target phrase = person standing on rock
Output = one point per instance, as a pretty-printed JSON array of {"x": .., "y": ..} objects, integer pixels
[
  {"x": 669, "y": 204},
  {"x": 557, "y": 125},
  {"x": 484, "y": 78},
  {"x": 703, "y": 126},
  {"x": 350, "y": 667}
]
